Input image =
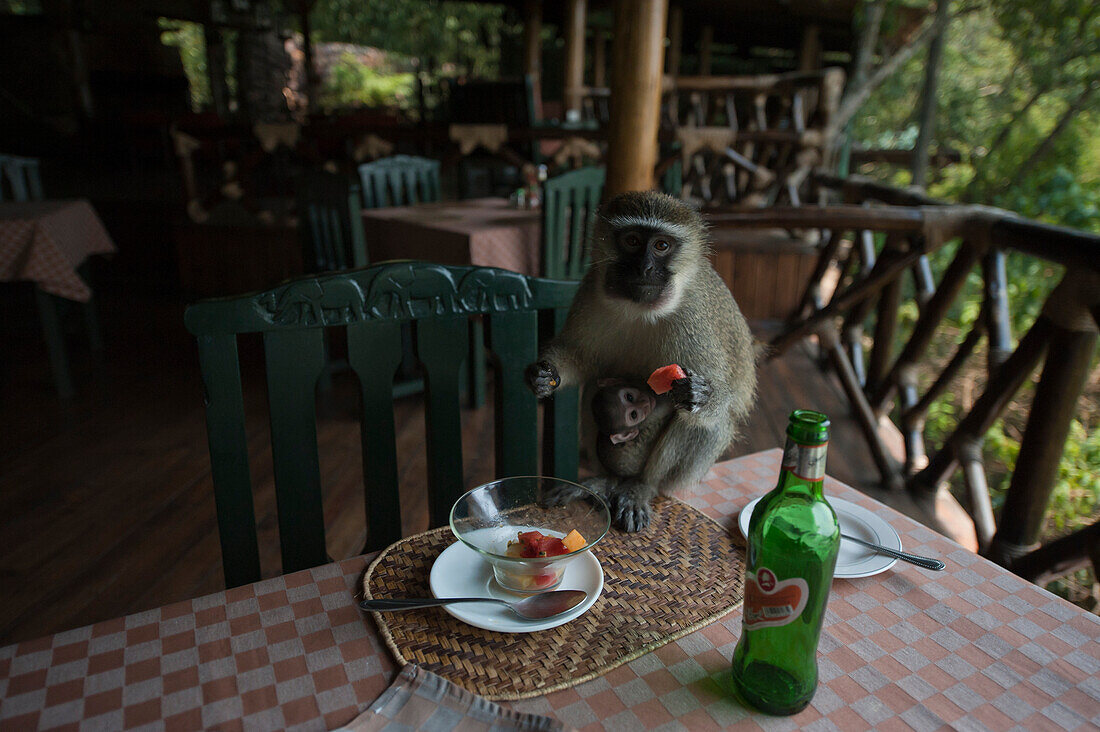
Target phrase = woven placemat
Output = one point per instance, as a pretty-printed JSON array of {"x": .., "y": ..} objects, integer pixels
[{"x": 680, "y": 574}]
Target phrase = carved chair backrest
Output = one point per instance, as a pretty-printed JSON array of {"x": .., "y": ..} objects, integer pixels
[
  {"x": 372, "y": 305},
  {"x": 569, "y": 208},
  {"x": 20, "y": 178},
  {"x": 400, "y": 180},
  {"x": 752, "y": 140},
  {"x": 330, "y": 225}
]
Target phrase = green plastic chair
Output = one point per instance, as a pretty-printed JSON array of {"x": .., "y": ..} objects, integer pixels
[
  {"x": 330, "y": 225},
  {"x": 569, "y": 208},
  {"x": 372, "y": 305},
  {"x": 401, "y": 180},
  {"x": 21, "y": 177},
  {"x": 672, "y": 181}
]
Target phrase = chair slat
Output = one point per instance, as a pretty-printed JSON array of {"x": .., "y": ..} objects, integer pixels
[
  {"x": 374, "y": 353},
  {"x": 514, "y": 341},
  {"x": 295, "y": 360},
  {"x": 574, "y": 196},
  {"x": 225, "y": 430},
  {"x": 442, "y": 346},
  {"x": 562, "y": 419}
]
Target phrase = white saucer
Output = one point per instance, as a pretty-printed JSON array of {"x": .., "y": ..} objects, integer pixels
[
  {"x": 853, "y": 560},
  {"x": 459, "y": 571}
]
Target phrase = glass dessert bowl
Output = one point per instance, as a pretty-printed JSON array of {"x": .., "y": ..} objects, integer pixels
[{"x": 527, "y": 542}]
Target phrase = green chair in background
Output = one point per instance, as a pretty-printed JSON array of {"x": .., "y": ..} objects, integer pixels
[
  {"x": 330, "y": 225},
  {"x": 20, "y": 181},
  {"x": 21, "y": 178},
  {"x": 672, "y": 180},
  {"x": 400, "y": 180},
  {"x": 569, "y": 208},
  {"x": 371, "y": 305}
]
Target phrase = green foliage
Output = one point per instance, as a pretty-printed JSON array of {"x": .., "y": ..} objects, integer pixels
[
  {"x": 351, "y": 83},
  {"x": 444, "y": 36},
  {"x": 1012, "y": 70},
  {"x": 192, "y": 47}
]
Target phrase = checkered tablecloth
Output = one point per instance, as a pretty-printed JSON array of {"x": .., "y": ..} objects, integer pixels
[
  {"x": 970, "y": 648},
  {"x": 45, "y": 241},
  {"x": 485, "y": 232}
]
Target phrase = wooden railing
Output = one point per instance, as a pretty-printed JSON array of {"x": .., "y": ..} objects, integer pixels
[{"x": 887, "y": 382}]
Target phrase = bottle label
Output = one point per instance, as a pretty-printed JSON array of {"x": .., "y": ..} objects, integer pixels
[
  {"x": 805, "y": 461},
  {"x": 770, "y": 603}
]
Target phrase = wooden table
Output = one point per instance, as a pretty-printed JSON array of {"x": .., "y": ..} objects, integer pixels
[
  {"x": 481, "y": 231},
  {"x": 45, "y": 242},
  {"x": 972, "y": 647}
]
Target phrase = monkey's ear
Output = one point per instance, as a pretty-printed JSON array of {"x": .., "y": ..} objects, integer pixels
[
  {"x": 620, "y": 437},
  {"x": 601, "y": 383}
]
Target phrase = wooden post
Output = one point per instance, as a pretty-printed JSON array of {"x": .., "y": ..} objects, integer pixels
[
  {"x": 637, "y": 60},
  {"x": 215, "y": 69},
  {"x": 809, "y": 57},
  {"x": 312, "y": 80},
  {"x": 575, "y": 13},
  {"x": 706, "y": 40},
  {"x": 1072, "y": 343},
  {"x": 675, "y": 39},
  {"x": 928, "y": 98},
  {"x": 532, "y": 39},
  {"x": 599, "y": 60}
]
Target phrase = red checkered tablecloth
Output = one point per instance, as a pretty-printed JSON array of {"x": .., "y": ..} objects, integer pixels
[
  {"x": 973, "y": 647},
  {"x": 45, "y": 241}
]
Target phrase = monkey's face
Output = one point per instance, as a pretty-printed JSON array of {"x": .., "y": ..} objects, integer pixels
[
  {"x": 620, "y": 409},
  {"x": 642, "y": 267}
]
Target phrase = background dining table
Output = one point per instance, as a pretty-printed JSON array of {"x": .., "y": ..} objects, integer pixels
[
  {"x": 971, "y": 647},
  {"x": 486, "y": 232},
  {"x": 45, "y": 242}
]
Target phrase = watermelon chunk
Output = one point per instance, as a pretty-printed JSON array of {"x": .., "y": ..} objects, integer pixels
[{"x": 661, "y": 380}]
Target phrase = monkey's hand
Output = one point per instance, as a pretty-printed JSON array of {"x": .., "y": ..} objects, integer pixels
[
  {"x": 690, "y": 393},
  {"x": 630, "y": 505},
  {"x": 542, "y": 378},
  {"x": 561, "y": 494}
]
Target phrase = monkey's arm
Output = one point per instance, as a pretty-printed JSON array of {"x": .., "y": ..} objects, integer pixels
[{"x": 565, "y": 361}]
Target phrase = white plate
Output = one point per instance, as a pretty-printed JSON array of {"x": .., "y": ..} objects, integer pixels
[
  {"x": 853, "y": 560},
  {"x": 459, "y": 571}
]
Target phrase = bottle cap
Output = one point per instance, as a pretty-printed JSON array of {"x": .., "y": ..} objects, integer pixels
[{"x": 807, "y": 427}]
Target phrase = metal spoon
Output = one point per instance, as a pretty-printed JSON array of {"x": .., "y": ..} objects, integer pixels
[
  {"x": 536, "y": 607},
  {"x": 926, "y": 562}
]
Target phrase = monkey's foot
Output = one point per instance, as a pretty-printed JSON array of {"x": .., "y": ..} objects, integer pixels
[
  {"x": 542, "y": 378},
  {"x": 630, "y": 513}
]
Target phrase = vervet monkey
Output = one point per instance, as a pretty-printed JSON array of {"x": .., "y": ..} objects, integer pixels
[
  {"x": 629, "y": 417},
  {"x": 649, "y": 299}
]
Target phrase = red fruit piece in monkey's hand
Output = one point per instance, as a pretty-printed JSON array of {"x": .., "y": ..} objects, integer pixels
[{"x": 661, "y": 380}]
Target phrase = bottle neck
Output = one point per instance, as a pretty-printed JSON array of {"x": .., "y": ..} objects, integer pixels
[{"x": 803, "y": 468}]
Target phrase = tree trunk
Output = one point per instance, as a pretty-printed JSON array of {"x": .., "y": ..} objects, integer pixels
[
  {"x": 1063, "y": 122},
  {"x": 928, "y": 98},
  {"x": 855, "y": 97},
  {"x": 868, "y": 39}
]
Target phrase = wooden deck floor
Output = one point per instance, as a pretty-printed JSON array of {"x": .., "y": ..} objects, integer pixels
[{"x": 106, "y": 503}]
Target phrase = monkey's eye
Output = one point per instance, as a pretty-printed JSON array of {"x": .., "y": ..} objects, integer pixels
[
  {"x": 632, "y": 241},
  {"x": 630, "y": 397},
  {"x": 633, "y": 413},
  {"x": 661, "y": 246}
]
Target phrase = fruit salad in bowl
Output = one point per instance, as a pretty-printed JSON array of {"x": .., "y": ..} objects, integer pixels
[{"x": 528, "y": 528}]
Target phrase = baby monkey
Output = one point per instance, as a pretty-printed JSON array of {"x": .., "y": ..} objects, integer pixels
[{"x": 630, "y": 417}]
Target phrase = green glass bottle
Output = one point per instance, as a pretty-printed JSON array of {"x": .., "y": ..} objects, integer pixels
[{"x": 793, "y": 540}]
